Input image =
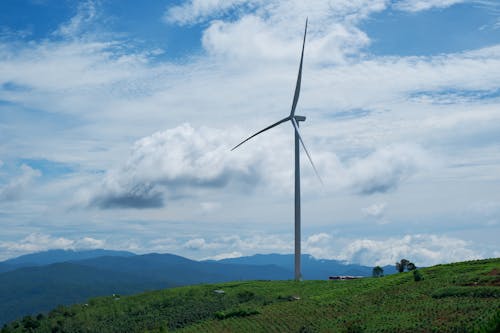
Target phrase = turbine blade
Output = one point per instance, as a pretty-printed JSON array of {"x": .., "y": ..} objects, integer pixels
[
  {"x": 296, "y": 126},
  {"x": 299, "y": 77},
  {"x": 265, "y": 129}
]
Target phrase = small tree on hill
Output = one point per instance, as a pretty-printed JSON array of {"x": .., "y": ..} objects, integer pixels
[
  {"x": 401, "y": 266},
  {"x": 405, "y": 264},
  {"x": 377, "y": 271}
]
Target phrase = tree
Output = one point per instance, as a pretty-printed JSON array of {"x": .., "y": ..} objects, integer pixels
[
  {"x": 377, "y": 271},
  {"x": 405, "y": 264},
  {"x": 401, "y": 266}
]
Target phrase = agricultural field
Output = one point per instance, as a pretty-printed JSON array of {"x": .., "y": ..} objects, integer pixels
[{"x": 459, "y": 297}]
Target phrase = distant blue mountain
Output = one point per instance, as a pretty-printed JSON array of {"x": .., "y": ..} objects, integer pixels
[
  {"x": 55, "y": 256},
  {"x": 4, "y": 267},
  {"x": 183, "y": 271},
  {"x": 30, "y": 290},
  {"x": 312, "y": 269}
]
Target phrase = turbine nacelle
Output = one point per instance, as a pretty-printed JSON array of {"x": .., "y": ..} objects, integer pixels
[{"x": 299, "y": 118}]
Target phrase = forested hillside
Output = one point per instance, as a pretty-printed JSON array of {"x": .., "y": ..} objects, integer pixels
[{"x": 460, "y": 297}]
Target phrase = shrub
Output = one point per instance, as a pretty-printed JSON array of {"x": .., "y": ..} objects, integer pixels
[
  {"x": 481, "y": 292},
  {"x": 235, "y": 313},
  {"x": 417, "y": 276},
  {"x": 5, "y": 329},
  {"x": 30, "y": 323},
  {"x": 245, "y": 296}
]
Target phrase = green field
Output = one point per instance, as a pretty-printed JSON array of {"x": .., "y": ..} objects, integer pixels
[{"x": 460, "y": 297}]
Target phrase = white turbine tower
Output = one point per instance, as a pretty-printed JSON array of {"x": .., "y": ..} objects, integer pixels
[{"x": 294, "y": 119}]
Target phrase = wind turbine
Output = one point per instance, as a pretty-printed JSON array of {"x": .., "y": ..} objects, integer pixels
[{"x": 294, "y": 119}]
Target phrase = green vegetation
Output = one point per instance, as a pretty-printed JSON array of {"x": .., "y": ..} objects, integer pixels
[
  {"x": 417, "y": 275},
  {"x": 405, "y": 264},
  {"x": 460, "y": 297},
  {"x": 377, "y": 271}
]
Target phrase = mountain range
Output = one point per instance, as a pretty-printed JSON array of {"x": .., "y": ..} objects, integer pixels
[{"x": 38, "y": 282}]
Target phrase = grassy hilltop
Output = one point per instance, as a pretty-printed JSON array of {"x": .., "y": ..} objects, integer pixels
[{"x": 460, "y": 297}]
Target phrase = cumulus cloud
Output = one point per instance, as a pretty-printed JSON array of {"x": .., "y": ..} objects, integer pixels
[
  {"x": 386, "y": 168},
  {"x": 278, "y": 23},
  {"x": 89, "y": 243},
  {"x": 14, "y": 189},
  {"x": 422, "y": 249},
  {"x": 195, "y": 244},
  {"x": 37, "y": 242},
  {"x": 184, "y": 159},
  {"x": 317, "y": 238},
  {"x": 381, "y": 171},
  {"x": 318, "y": 245},
  {"x": 175, "y": 159},
  {"x": 248, "y": 244},
  {"x": 248, "y": 40}
]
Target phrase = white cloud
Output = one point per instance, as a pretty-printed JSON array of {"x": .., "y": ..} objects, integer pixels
[
  {"x": 318, "y": 245},
  {"x": 194, "y": 10},
  {"x": 247, "y": 41},
  {"x": 281, "y": 12},
  {"x": 209, "y": 206},
  {"x": 184, "y": 159},
  {"x": 195, "y": 244},
  {"x": 279, "y": 23},
  {"x": 86, "y": 15},
  {"x": 317, "y": 239},
  {"x": 171, "y": 161},
  {"x": 14, "y": 189},
  {"x": 37, "y": 242},
  {"x": 376, "y": 210},
  {"x": 250, "y": 244},
  {"x": 419, "y": 5},
  {"x": 112, "y": 94},
  {"x": 386, "y": 168},
  {"x": 422, "y": 249},
  {"x": 89, "y": 243},
  {"x": 228, "y": 255}
]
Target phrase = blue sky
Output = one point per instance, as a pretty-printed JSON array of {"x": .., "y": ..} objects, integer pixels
[{"x": 116, "y": 120}]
